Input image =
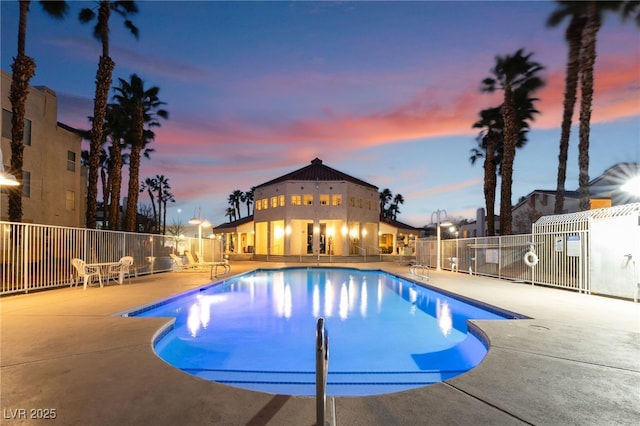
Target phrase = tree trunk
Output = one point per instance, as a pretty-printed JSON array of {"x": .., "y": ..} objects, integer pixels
[
  {"x": 103, "y": 83},
  {"x": 508, "y": 155},
  {"x": 134, "y": 170},
  {"x": 490, "y": 183},
  {"x": 587, "y": 62},
  {"x": 23, "y": 69},
  {"x": 116, "y": 186},
  {"x": 574, "y": 37}
]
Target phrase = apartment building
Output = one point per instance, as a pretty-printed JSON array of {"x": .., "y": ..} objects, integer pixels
[{"x": 54, "y": 181}]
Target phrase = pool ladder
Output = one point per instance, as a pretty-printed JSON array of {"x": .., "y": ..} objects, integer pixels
[
  {"x": 419, "y": 271},
  {"x": 322, "y": 363}
]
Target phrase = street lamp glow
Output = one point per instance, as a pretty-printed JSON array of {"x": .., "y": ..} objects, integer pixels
[
  {"x": 632, "y": 186},
  {"x": 439, "y": 224}
]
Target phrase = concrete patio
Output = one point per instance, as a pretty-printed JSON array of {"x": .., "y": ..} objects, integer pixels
[{"x": 64, "y": 354}]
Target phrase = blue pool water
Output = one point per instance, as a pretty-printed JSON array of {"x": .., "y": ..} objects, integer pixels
[{"x": 257, "y": 331}]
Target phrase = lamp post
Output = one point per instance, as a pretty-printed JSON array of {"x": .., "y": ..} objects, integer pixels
[
  {"x": 439, "y": 223},
  {"x": 201, "y": 223}
]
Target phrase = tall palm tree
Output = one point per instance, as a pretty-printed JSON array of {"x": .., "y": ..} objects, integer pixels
[
  {"x": 235, "y": 198},
  {"x": 489, "y": 141},
  {"x": 231, "y": 213},
  {"x": 511, "y": 74},
  {"x": 23, "y": 68},
  {"x": 151, "y": 186},
  {"x": 385, "y": 197},
  {"x": 162, "y": 189},
  {"x": 103, "y": 83},
  {"x": 142, "y": 107},
  {"x": 573, "y": 35},
  {"x": 248, "y": 199},
  {"x": 116, "y": 127},
  {"x": 166, "y": 197},
  {"x": 594, "y": 16},
  {"x": 395, "y": 206}
]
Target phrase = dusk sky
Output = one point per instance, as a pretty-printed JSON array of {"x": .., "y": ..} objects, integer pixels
[{"x": 384, "y": 91}]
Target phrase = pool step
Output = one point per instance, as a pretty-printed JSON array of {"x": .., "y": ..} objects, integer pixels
[{"x": 338, "y": 383}]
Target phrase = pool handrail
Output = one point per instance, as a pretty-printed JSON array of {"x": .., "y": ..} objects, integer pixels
[{"x": 322, "y": 363}]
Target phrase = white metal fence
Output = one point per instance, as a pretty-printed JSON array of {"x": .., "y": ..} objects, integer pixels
[
  {"x": 39, "y": 256},
  {"x": 592, "y": 251},
  {"x": 503, "y": 257}
]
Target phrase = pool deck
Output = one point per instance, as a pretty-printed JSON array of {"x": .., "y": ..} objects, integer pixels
[{"x": 63, "y": 352}]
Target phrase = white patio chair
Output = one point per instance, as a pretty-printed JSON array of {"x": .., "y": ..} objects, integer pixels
[
  {"x": 85, "y": 272},
  {"x": 121, "y": 268}
]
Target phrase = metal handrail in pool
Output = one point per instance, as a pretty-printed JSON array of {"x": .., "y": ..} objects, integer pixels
[
  {"x": 414, "y": 270},
  {"x": 322, "y": 362}
]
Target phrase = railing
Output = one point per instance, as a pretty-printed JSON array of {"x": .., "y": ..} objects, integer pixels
[
  {"x": 422, "y": 268},
  {"x": 504, "y": 257},
  {"x": 34, "y": 257},
  {"x": 322, "y": 363}
]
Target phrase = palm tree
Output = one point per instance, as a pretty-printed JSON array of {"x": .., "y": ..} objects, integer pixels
[
  {"x": 231, "y": 213},
  {"x": 116, "y": 127},
  {"x": 489, "y": 141},
  {"x": 395, "y": 206},
  {"x": 142, "y": 107},
  {"x": 511, "y": 74},
  {"x": 162, "y": 189},
  {"x": 151, "y": 186},
  {"x": 248, "y": 198},
  {"x": 103, "y": 83},
  {"x": 235, "y": 198},
  {"x": 573, "y": 36},
  {"x": 166, "y": 197},
  {"x": 23, "y": 68},
  {"x": 594, "y": 14},
  {"x": 385, "y": 198}
]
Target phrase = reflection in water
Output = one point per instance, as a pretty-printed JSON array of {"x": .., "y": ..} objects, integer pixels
[
  {"x": 363, "y": 299},
  {"x": 413, "y": 298},
  {"x": 329, "y": 296},
  {"x": 344, "y": 302},
  {"x": 200, "y": 312},
  {"x": 316, "y": 300},
  {"x": 287, "y": 301},
  {"x": 380, "y": 290},
  {"x": 443, "y": 314}
]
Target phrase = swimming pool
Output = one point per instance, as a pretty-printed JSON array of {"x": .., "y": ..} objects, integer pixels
[{"x": 257, "y": 331}]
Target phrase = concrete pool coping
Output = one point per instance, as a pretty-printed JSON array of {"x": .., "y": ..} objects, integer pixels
[{"x": 577, "y": 361}]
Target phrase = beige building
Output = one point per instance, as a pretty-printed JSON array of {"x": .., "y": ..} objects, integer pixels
[
  {"x": 54, "y": 182},
  {"x": 315, "y": 210}
]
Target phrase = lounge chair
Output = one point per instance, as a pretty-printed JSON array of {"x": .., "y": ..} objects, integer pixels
[
  {"x": 85, "y": 272},
  {"x": 121, "y": 268},
  {"x": 214, "y": 265},
  {"x": 180, "y": 264}
]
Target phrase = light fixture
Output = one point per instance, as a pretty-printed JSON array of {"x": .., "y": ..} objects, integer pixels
[
  {"x": 7, "y": 179},
  {"x": 632, "y": 186}
]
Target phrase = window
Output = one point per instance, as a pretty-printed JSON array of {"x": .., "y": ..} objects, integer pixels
[
  {"x": 6, "y": 127},
  {"x": 71, "y": 161},
  {"x": 308, "y": 200},
  {"x": 281, "y": 200},
  {"x": 26, "y": 184},
  {"x": 71, "y": 200},
  {"x": 265, "y": 204},
  {"x": 359, "y": 202},
  {"x": 258, "y": 205},
  {"x": 324, "y": 199},
  {"x": 337, "y": 200},
  {"x": 352, "y": 202},
  {"x": 296, "y": 200},
  {"x": 274, "y": 202}
]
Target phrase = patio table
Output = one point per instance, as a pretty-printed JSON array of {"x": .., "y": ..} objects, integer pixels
[{"x": 104, "y": 269}]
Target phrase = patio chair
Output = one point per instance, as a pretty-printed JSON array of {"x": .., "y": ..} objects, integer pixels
[
  {"x": 85, "y": 272},
  {"x": 180, "y": 264},
  {"x": 121, "y": 268}
]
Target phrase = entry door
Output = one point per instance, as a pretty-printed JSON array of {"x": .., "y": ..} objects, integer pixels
[{"x": 310, "y": 238}]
